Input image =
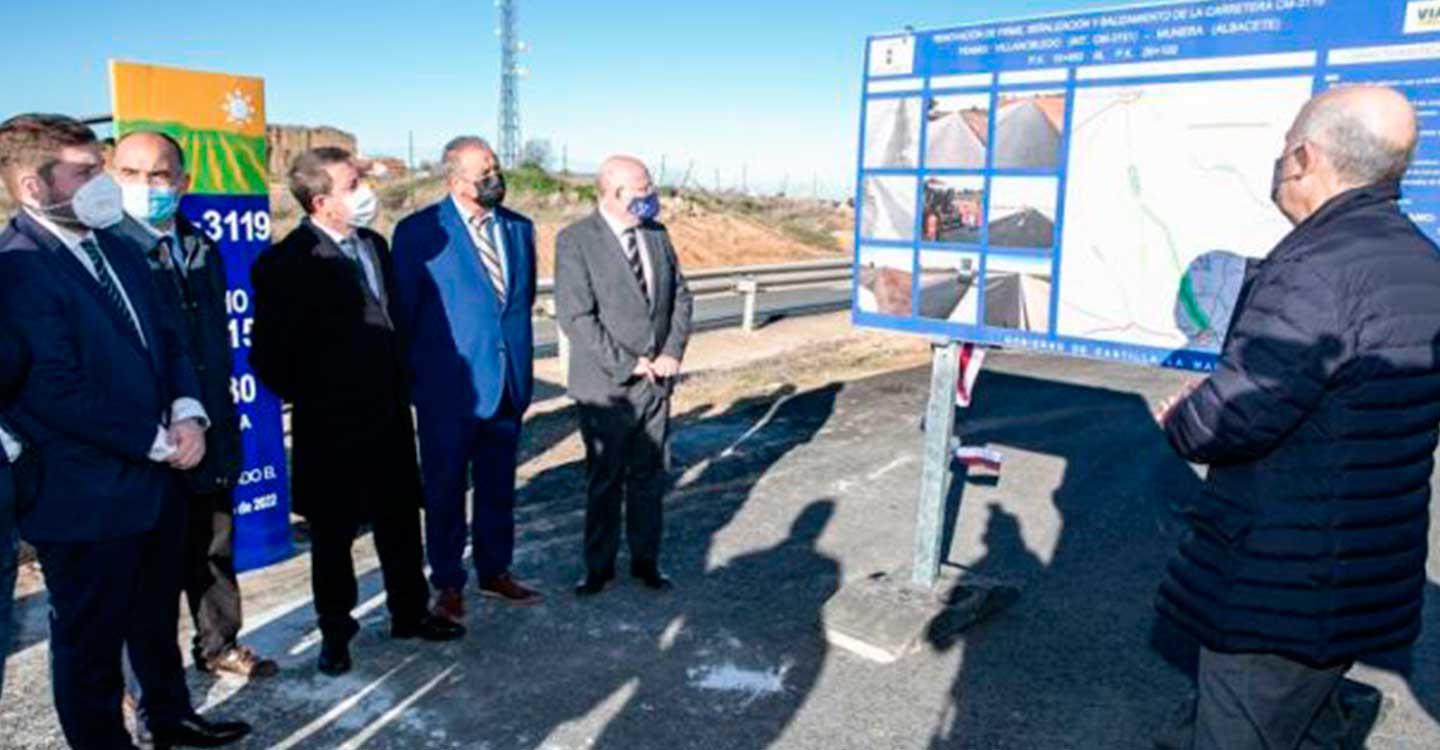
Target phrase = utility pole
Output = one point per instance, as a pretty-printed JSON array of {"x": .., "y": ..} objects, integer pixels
[
  {"x": 510, "y": 73},
  {"x": 565, "y": 160},
  {"x": 410, "y": 172}
]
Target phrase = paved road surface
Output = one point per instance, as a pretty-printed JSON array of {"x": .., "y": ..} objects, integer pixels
[{"x": 779, "y": 501}]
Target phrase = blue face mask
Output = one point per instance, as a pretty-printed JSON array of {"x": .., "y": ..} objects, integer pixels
[
  {"x": 645, "y": 207},
  {"x": 155, "y": 205}
]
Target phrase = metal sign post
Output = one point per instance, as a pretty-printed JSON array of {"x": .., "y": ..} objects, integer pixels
[{"x": 939, "y": 452}]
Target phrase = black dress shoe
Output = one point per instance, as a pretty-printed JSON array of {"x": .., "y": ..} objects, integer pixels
[
  {"x": 650, "y": 575},
  {"x": 428, "y": 628},
  {"x": 594, "y": 583},
  {"x": 197, "y": 731},
  {"x": 334, "y": 657}
]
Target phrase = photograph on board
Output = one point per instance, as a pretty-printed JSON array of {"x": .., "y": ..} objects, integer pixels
[
  {"x": 886, "y": 276},
  {"x": 948, "y": 286},
  {"x": 1028, "y": 130},
  {"x": 1022, "y": 212},
  {"x": 892, "y": 133},
  {"x": 959, "y": 131},
  {"x": 1017, "y": 293},
  {"x": 954, "y": 209},
  {"x": 887, "y": 210}
]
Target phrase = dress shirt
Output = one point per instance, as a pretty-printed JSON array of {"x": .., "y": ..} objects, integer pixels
[
  {"x": 619, "y": 229},
  {"x": 350, "y": 245},
  {"x": 497, "y": 235},
  {"x": 183, "y": 408}
]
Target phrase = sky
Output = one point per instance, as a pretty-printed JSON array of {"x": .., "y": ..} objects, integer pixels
[{"x": 761, "y": 91}]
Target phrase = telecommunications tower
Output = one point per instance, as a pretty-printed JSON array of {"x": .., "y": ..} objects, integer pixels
[{"x": 510, "y": 74}]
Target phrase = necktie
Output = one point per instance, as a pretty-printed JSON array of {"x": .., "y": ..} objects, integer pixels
[
  {"x": 632, "y": 255},
  {"x": 167, "y": 251},
  {"x": 352, "y": 251},
  {"x": 106, "y": 281},
  {"x": 489, "y": 254}
]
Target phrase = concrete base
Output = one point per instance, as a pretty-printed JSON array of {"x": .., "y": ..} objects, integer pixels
[{"x": 884, "y": 618}]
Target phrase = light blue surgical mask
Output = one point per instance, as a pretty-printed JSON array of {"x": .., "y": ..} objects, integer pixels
[
  {"x": 150, "y": 204},
  {"x": 645, "y": 207}
]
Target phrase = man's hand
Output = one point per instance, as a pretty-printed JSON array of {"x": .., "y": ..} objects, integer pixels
[
  {"x": 189, "y": 440},
  {"x": 666, "y": 367},
  {"x": 1167, "y": 407},
  {"x": 644, "y": 368}
]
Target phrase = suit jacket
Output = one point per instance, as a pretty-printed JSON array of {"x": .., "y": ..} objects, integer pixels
[
  {"x": 96, "y": 393},
  {"x": 601, "y": 308},
  {"x": 325, "y": 343},
  {"x": 465, "y": 348},
  {"x": 195, "y": 301},
  {"x": 14, "y": 365}
]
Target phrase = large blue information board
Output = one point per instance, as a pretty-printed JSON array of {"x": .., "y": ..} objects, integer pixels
[{"x": 1094, "y": 184}]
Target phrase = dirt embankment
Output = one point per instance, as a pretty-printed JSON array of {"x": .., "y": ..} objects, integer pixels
[{"x": 709, "y": 229}]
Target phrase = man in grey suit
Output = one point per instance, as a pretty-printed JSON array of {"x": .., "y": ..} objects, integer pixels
[{"x": 622, "y": 301}]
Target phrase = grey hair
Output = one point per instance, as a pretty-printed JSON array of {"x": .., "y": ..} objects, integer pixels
[
  {"x": 1359, "y": 152},
  {"x": 458, "y": 144}
]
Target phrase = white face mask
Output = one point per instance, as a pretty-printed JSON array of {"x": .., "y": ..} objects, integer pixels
[
  {"x": 97, "y": 204},
  {"x": 153, "y": 205},
  {"x": 363, "y": 205}
]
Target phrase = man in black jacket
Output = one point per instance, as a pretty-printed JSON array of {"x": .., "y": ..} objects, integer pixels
[
  {"x": 14, "y": 364},
  {"x": 1307, "y": 544},
  {"x": 189, "y": 275},
  {"x": 325, "y": 342}
]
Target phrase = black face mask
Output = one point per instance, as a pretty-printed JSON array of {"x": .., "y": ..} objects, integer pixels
[{"x": 490, "y": 191}]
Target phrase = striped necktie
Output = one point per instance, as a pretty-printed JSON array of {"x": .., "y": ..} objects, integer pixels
[
  {"x": 108, "y": 286},
  {"x": 489, "y": 254},
  {"x": 637, "y": 267}
]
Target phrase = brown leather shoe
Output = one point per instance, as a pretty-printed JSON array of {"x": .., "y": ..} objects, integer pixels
[
  {"x": 450, "y": 604},
  {"x": 240, "y": 660},
  {"x": 505, "y": 588}
]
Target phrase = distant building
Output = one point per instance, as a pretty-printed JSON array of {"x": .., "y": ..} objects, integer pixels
[
  {"x": 387, "y": 168},
  {"x": 284, "y": 142}
]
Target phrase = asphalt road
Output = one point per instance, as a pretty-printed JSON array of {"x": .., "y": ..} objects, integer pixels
[
  {"x": 726, "y": 311},
  {"x": 778, "y": 502}
]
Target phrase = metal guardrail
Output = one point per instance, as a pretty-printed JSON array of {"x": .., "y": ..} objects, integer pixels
[{"x": 724, "y": 279}]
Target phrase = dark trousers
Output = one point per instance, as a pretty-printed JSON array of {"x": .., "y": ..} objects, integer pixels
[
  {"x": 9, "y": 551},
  {"x": 396, "y": 526},
  {"x": 210, "y": 586},
  {"x": 1264, "y": 702},
  {"x": 486, "y": 449},
  {"x": 109, "y": 595},
  {"x": 208, "y": 579},
  {"x": 625, "y": 468}
]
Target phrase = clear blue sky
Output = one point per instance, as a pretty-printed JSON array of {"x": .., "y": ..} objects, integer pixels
[{"x": 770, "y": 84}]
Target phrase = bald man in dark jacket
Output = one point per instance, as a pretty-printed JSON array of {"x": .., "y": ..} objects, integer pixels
[{"x": 1308, "y": 540}]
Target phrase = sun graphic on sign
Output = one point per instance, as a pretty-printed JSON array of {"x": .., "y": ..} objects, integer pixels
[{"x": 238, "y": 107}]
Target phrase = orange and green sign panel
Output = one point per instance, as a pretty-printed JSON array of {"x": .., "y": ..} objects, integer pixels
[{"x": 219, "y": 121}]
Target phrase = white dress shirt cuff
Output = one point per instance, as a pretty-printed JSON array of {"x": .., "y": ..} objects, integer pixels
[
  {"x": 162, "y": 449},
  {"x": 12, "y": 446},
  {"x": 189, "y": 408}
]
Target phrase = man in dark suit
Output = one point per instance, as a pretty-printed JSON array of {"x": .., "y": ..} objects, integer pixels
[
  {"x": 109, "y": 409},
  {"x": 189, "y": 276},
  {"x": 465, "y": 288},
  {"x": 14, "y": 364},
  {"x": 623, "y": 302},
  {"x": 324, "y": 341}
]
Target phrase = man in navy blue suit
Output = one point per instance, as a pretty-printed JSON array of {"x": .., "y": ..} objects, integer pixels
[
  {"x": 107, "y": 414},
  {"x": 14, "y": 364},
  {"x": 465, "y": 286}
]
